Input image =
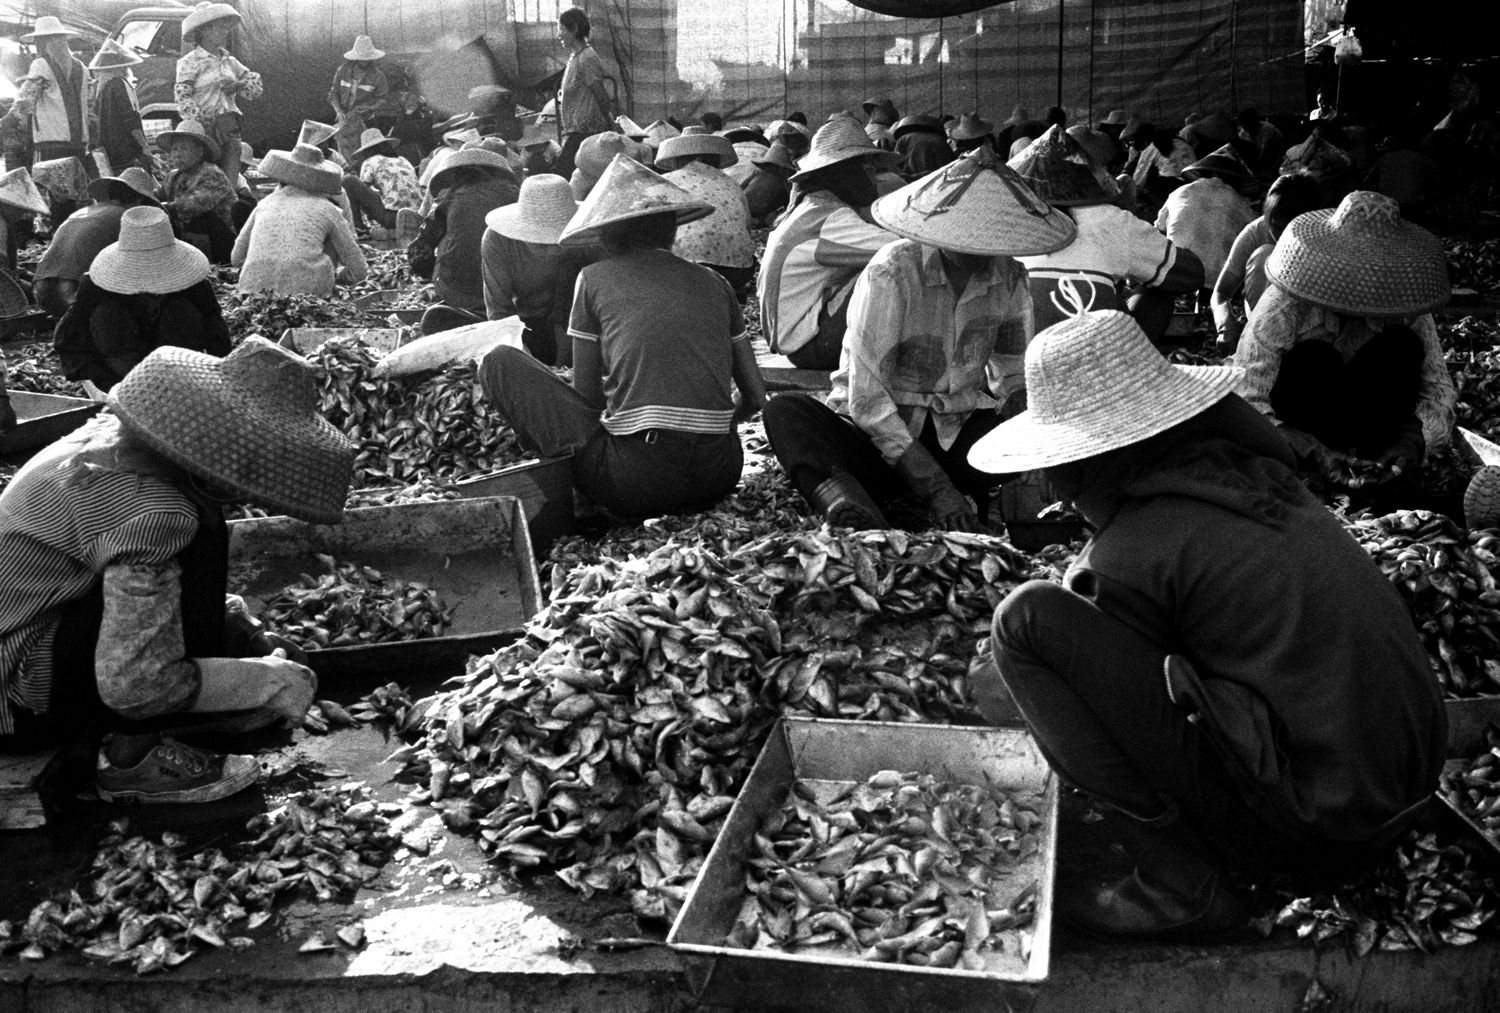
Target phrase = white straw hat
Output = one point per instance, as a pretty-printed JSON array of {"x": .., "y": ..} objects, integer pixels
[
  {"x": 839, "y": 140},
  {"x": 147, "y": 258},
  {"x": 691, "y": 143},
  {"x": 248, "y": 422},
  {"x": 364, "y": 49},
  {"x": 193, "y": 130},
  {"x": 1094, "y": 384},
  {"x": 113, "y": 56},
  {"x": 540, "y": 214},
  {"x": 629, "y": 190},
  {"x": 975, "y": 204},
  {"x": 303, "y": 166},
  {"x": 18, "y": 189},
  {"x": 131, "y": 184},
  {"x": 481, "y": 158},
  {"x": 371, "y": 139},
  {"x": 207, "y": 13},
  {"x": 47, "y": 25}
]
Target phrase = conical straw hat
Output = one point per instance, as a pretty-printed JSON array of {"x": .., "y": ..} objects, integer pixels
[
  {"x": 112, "y": 56},
  {"x": 839, "y": 140},
  {"x": 630, "y": 190},
  {"x": 630, "y": 128},
  {"x": 1324, "y": 160},
  {"x": 1094, "y": 383},
  {"x": 1062, "y": 172},
  {"x": 315, "y": 133},
  {"x": 659, "y": 131},
  {"x": 303, "y": 166},
  {"x": 1362, "y": 259},
  {"x": 19, "y": 191},
  {"x": 364, "y": 49},
  {"x": 147, "y": 258},
  {"x": 540, "y": 214},
  {"x": 1225, "y": 162},
  {"x": 248, "y": 422}
]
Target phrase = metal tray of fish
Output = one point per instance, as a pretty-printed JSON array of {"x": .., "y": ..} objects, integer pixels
[
  {"x": 303, "y": 340},
  {"x": 475, "y": 553},
  {"x": 391, "y": 302},
  {"x": 850, "y": 751},
  {"x": 44, "y": 419},
  {"x": 1467, "y": 719}
]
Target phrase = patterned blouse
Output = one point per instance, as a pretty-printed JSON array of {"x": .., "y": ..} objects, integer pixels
[
  {"x": 200, "y": 191},
  {"x": 395, "y": 179},
  {"x": 201, "y": 77}
]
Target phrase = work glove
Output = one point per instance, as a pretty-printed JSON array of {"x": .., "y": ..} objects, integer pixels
[
  {"x": 242, "y": 684},
  {"x": 951, "y": 509}
]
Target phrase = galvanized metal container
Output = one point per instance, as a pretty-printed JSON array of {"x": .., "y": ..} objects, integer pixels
[{"x": 813, "y": 749}]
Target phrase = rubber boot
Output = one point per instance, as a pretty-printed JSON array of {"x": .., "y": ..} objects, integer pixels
[
  {"x": 844, "y": 503},
  {"x": 1178, "y": 891}
]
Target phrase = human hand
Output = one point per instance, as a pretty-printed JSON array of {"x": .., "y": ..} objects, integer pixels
[
  {"x": 746, "y": 407},
  {"x": 1333, "y": 465},
  {"x": 1406, "y": 453},
  {"x": 953, "y": 511},
  {"x": 294, "y": 686}
]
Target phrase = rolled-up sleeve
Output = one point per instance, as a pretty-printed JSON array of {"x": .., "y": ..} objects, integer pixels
[
  {"x": 1437, "y": 400},
  {"x": 877, "y": 311},
  {"x": 1271, "y": 331},
  {"x": 140, "y": 662}
]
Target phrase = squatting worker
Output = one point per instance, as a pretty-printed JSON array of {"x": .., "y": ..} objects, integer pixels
[
  {"x": 583, "y": 106},
  {"x": 1224, "y": 670},
  {"x": 938, "y": 327},
  {"x": 114, "y": 556},
  {"x": 1342, "y": 350},
  {"x": 658, "y": 346}
]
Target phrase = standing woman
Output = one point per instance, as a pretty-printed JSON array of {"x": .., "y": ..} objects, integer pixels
[
  {"x": 360, "y": 91},
  {"x": 117, "y": 110},
  {"x": 55, "y": 97},
  {"x": 210, "y": 81},
  {"x": 582, "y": 103}
]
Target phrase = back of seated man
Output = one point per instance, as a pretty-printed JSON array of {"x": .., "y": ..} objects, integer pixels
[{"x": 88, "y": 230}]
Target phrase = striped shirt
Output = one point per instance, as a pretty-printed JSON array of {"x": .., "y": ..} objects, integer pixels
[
  {"x": 71, "y": 517},
  {"x": 819, "y": 248},
  {"x": 665, "y": 330}
]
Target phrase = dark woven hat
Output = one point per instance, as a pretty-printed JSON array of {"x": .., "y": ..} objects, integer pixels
[
  {"x": 918, "y": 124},
  {"x": 1225, "y": 163},
  {"x": 1061, "y": 172},
  {"x": 881, "y": 110}
]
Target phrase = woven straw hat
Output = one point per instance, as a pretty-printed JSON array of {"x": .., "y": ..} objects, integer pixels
[
  {"x": 1214, "y": 127},
  {"x": 1018, "y": 115},
  {"x": 1116, "y": 118},
  {"x": 839, "y": 140},
  {"x": 920, "y": 124},
  {"x": 1224, "y": 162},
  {"x": 1099, "y": 145},
  {"x": 315, "y": 133},
  {"x": 540, "y": 214},
  {"x": 132, "y": 184},
  {"x": 690, "y": 145},
  {"x": 19, "y": 191},
  {"x": 659, "y": 131},
  {"x": 370, "y": 139},
  {"x": 534, "y": 134},
  {"x": 969, "y": 126},
  {"x": 206, "y": 13},
  {"x": 781, "y": 128},
  {"x": 744, "y": 135},
  {"x": 247, "y": 155},
  {"x": 630, "y": 190},
  {"x": 778, "y": 156},
  {"x": 880, "y": 110},
  {"x": 487, "y": 160},
  {"x": 1361, "y": 259},
  {"x": 364, "y": 49},
  {"x": 47, "y": 25},
  {"x": 193, "y": 130},
  {"x": 248, "y": 422},
  {"x": 147, "y": 258},
  {"x": 1094, "y": 384},
  {"x": 630, "y": 128},
  {"x": 1324, "y": 160},
  {"x": 113, "y": 56},
  {"x": 977, "y": 205},
  {"x": 1063, "y": 173},
  {"x": 304, "y": 166},
  {"x": 598, "y": 151}
]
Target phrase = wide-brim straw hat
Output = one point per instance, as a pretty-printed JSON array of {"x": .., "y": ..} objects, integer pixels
[
  {"x": 304, "y": 166},
  {"x": 692, "y": 145},
  {"x": 192, "y": 130},
  {"x": 597, "y": 151},
  {"x": 113, "y": 56},
  {"x": 248, "y": 423},
  {"x": 364, "y": 49},
  {"x": 18, "y": 190},
  {"x": 1361, "y": 259},
  {"x": 539, "y": 215},
  {"x": 970, "y": 126},
  {"x": 782, "y": 128},
  {"x": 47, "y": 25},
  {"x": 147, "y": 257},
  {"x": 207, "y": 13},
  {"x": 880, "y": 110},
  {"x": 1094, "y": 383},
  {"x": 1099, "y": 145},
  {"x": 778, "y": 156},
  {"x": 630, "y": 190},
  {"x": 1018, "y": 115},
  {"x": 1214, "y": 127},
  {"x": 481, "y": 158},
  {"x": 131, "y": 184},
  {"x": 742, "y": 135},
  {"x": 1224, "y": 162},
  {"x": 918, "y": 123},
  {"x": 1116, "y": 118},
  {"x": 1061, "y": 171},
  {"x": 839, "y": 140},
  {"x": 658, "y": 131},
  {"x": 372, "y": 138},
  {"x": 977, "y": 205}
]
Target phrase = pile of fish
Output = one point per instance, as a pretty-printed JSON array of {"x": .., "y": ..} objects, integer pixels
[
  {"x": 1446, "y": 575},
  {"x": 900, "y": 868},
  {"x": 1473, "y": 786},
  {"x": 609, "y": 741},
  {"x": 35, "y": 368},
  {"x": 423, "y": 490},
  {"x": 352, "y": 605},
  {"x": 410, "y": 428},
  {"x": 147, "y": 904},
  {"x": 1474, "y": 263},
  {"x": 1470, "y": 347},
  {"x": 270, "y": 315}
]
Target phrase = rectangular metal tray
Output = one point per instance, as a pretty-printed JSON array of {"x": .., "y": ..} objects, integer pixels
[
  {"x": 1467, "y": 720},
  {"x": 848, "y": 751},
  {"x": 307, "y": 339},
  {"x": 1457, "y": 767},
  {"x": 545, "y": 489},
  {"x": 44, "y": 419},
  {"x": 381, "y": 304},
  {"x": 476, "y": 553}
]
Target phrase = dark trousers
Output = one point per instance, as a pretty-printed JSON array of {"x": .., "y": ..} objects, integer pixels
[
  {"x": 1360, "y": 405},
  {"x": 442, "y": 317},
  {"x": 644, "y": 474},
  {"x": 217, "y": 236},
  {"x": 1093, "y": 692},
  {"x": 823, "y": 351},
  {"x": 812, "y": 441},
  {"x": 566, "y": 160},
  {"x": 365, "y": 202}
]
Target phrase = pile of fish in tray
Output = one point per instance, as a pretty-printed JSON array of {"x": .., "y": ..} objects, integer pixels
[{"x": 353, "y": 605}]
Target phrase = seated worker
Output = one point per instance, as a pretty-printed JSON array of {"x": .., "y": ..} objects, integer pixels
[
  {"x": 380, "y": 183},
  {"x": 1206, "y": 214},
  {"x": 115, "y": 555},
  {"x": 88, "y": 230},
  {"x": 1329, "y": 164},
  {"x": 595, "y": 153},
  {"x": 197, "y": 194},
  {"x": 527, "y": 274},
  {"x": 1265, "y": 140},
  {"x": 882, "y": 116},
  {"x": 1223, "y": 670},
  {"x": 921, "y": 145},
  {"x": 1158, "y": 170},
  {"x": 297, "y": 240},
  {"x": 1114, "y": 249},
  {"x": 932, "y": 314},
  {"x": 143, "y": 291},
  {"x": 539, "y": 144},
  {"x": 769, "y": 188},
  {"x": 695, "y": 161},
  {"x": 1244, "y": 269},
  {"x": 658, "y": 344},
  {"x": 815, "y": 253},
  {"x": 970, "y": 131},
  {"x": 1342, "y": 350},
  {"x": 20, "y": 203},
  {"x": 1407, "y": 176},
  {"x": 469, "y": 186}
]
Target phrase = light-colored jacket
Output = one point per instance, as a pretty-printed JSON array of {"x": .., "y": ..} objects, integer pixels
[
  {"x": 294, "y": 243},
  {"x": 49, "y": 113}
]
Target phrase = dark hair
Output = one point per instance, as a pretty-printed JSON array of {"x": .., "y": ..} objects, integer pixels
[
  {"x": 1055, "y": 115},
  {"x": 1165, "y": 139},
  {"x": 649, "y": 232},
  {"x": 798, "y": 117},
  {"x": 1293, "y": 194},
  {"x": 713, "y": 121},
  {"x": 575, "y": 21},
  {"x": 1249, "y": 118}
]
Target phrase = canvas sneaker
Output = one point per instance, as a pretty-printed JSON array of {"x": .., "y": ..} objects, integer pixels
[{"x": 173, "y": 772}]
